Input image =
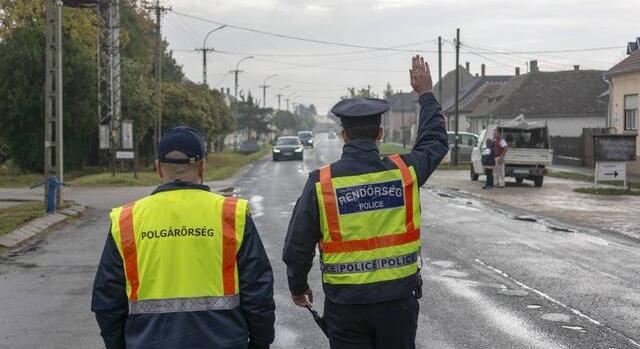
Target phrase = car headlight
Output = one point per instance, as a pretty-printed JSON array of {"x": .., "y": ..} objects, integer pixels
[
  {"x": 311, "y": 141},
  {"x": 276, "y": 150},
  {"x": 298, "y": 149}
]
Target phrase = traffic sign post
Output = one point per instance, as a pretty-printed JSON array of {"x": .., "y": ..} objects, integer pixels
[{"x": 610, "y": 171}]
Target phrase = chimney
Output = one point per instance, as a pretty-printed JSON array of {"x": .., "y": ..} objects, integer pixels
[
  {"x": 576, "y": 67},
  {"x": 467, "y": 66},
  {"x": 533, "y": 66},
  {"x": 517, "y": 71},
  {"x": 482, "y": 69}
]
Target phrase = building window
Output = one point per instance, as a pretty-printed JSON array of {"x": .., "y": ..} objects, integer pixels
[{"x": 631, "y": 112}]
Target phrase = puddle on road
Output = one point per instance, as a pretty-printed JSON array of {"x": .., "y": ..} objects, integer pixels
[
  {"x": 560, "y": 229},
  {"x": 556, "y": 317},
  {"x": 525, "y": 218}
]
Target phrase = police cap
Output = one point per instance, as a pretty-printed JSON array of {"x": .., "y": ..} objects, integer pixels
[
  {"x": 185, "y": 140},
  {"x": 360, "y": 111}
]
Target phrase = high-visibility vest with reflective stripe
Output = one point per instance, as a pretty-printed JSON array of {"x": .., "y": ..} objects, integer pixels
[
  {"x": 370, "y": 225},
  {"x": 179, "y": 250}
]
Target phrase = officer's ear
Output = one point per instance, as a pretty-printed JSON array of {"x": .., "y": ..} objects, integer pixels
[
  {"x": 202, "y": 168},
  {"x": 345, "y": 137},
  {"x": 380, "y": 134},
  {"x": 159, "y": 170}
]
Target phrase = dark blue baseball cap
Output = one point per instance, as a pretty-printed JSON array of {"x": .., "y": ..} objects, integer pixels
[
  {"x": 185, "y": 140},
  {"x": 360, "y": 111}
]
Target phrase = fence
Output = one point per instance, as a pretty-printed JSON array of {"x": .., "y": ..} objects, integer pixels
[{"x": 576, "y": 151}]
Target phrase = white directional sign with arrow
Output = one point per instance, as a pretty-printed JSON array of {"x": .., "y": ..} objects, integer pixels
[{"x": 611, "y": 171}]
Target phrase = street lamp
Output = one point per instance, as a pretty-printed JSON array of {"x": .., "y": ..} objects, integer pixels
[
  {"x": 236, "y": 71},
  {"x": 264, "y": 89},
  {"x": 206, "y": 50},
  {"x": 280, "y": 93}
]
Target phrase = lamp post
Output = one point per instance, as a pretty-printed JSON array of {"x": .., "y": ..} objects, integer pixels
[
  {"x": 264, "y": 89},
  {"x": 236, "y": 72},
  {"x": 206, "y": 50},
  {"x": 280, "y": 94}
]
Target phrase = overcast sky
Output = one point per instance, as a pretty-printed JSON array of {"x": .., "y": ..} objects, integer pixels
[{"x": 513, "y": 26}]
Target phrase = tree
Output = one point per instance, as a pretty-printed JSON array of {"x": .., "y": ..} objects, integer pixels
[
  {"x": 352, "y": 92},
  {"x": 251, "y": 117},
  {"x": 21, "y": 87},
  {"x": 285, "y": 120},
  {"x": 21, "y": 90}
]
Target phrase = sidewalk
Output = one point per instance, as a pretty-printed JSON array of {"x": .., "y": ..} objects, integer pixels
[{"x": 556, "y": 199}]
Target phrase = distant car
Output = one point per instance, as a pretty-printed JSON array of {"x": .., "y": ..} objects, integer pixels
[
  {"x": 306, "y": 137},
  {"x": 288, "y": 148},
  {"x": 466, "y": 142},
  {"x": 332, "y": 135}
]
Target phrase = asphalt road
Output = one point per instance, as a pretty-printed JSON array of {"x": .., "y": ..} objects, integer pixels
[{"x": 494, "y": 277}]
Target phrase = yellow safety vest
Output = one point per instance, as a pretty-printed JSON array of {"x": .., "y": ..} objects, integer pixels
[
  {"x": 370, "y": 225},
  {"x": 179, "y": 250}
]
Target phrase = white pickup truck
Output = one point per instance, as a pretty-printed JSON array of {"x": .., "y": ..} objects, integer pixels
[{"x": 528, "y": 154}]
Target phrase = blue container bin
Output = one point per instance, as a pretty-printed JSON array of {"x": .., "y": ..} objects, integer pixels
[{"x": 52, "y": 191}]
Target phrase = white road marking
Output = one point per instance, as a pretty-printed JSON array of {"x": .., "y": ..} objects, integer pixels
[{"x": 555, "y": 301}]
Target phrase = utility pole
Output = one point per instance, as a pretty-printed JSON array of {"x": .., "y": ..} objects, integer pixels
[
  {"x": 159, "y": 11},
  {"x": 236, "y": 72},
  {"x": 440, "y": 69},
  {"x": 287, "y": 104},
  {"x": 206, "y": 50},
  {"x": 109, "y": 89},
  {"x": 264, "y": 87},
  {"x": 53, "y": 124},
  {"x": 280, "y": 94},
  {"x": 404, "y": 131},
  {"x": 455, "y": 148}
]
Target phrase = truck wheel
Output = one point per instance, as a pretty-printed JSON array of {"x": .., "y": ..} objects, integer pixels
[
  {"x": 474, "y": 176},
  {"x": 537, "y": 181},
  {"x": 519, "y": 180}
]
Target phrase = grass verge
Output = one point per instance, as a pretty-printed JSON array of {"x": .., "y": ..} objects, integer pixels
[
  {"x": 219, "y": 166},
  {"x": 607, "y": 191},
  {"x": 587, "y": 178},
  {"x": 13, "y": 217},
  {"x": 392, "y": 148}
]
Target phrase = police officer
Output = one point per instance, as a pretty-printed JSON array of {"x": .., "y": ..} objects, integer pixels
[
  {"x": 184, "y": 267},
  {"x": 363, "y": 213}
]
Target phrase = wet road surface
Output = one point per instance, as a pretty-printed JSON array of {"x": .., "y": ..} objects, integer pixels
[{"x": 495, "y": 277}]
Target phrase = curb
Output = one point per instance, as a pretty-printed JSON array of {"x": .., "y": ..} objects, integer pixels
[{"x": 38, "y": 225}]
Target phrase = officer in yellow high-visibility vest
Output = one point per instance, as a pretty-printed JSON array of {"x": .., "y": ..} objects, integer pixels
[
  {"x": 184, "y": 267},
  {"x": 363, "y": 214}
]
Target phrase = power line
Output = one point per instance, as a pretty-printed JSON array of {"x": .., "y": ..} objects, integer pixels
[{"x": 298, "y": 38}]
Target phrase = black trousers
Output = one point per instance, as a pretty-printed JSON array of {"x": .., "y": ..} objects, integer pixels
[
  {"x": 489, "y": 173},
  {"x": 388, "y": 325}
]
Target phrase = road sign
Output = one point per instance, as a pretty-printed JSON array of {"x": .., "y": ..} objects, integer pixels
[
  {"x": 125, "y": 155},
  {"x": 611, "y": 171},
  {"x": 127, "y": 134}
]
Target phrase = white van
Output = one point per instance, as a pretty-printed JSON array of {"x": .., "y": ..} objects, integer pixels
[{"x": 529, "y": 151}]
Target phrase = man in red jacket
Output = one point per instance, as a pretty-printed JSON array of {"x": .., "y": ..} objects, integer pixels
[{"x": 501, "y": 150}]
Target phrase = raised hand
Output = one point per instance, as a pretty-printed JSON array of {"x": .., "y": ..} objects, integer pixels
[{"x": 420, "y": 75}]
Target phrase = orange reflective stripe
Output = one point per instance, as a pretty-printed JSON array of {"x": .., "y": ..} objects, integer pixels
[
  {"x": 408, "y": 189},
  {"x": 229, "y": 244},
  {"x": 330, "y": 205},
  {"x": 370, "y": 244},
  {"x": 130, "y": 254}
]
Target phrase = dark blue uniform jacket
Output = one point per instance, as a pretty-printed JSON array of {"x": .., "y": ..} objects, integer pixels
[
  {"x": 252, "y": 321},
  {"x": 360, "y": 157}
]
